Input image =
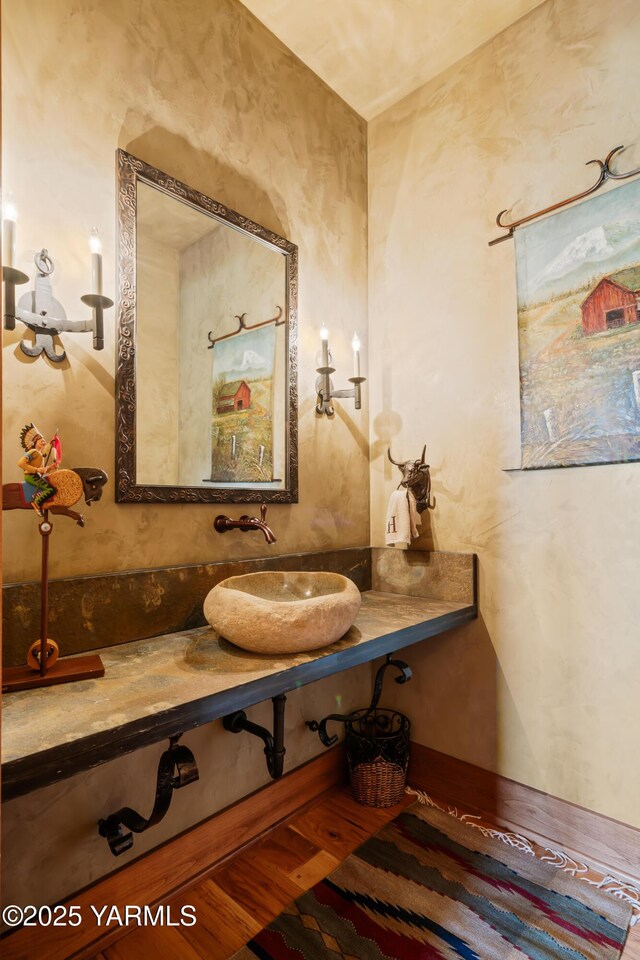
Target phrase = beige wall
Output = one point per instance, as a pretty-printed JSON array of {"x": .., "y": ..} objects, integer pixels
[
  {"x": 206, "y": 93},
  {"x": 545, "y": 689},
  {"x": 158, "y": 293}
]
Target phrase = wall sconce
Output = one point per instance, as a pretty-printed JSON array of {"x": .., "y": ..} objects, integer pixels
[
  {"x": 38, "y": 309},
  {"x": 324, "y": 384}
]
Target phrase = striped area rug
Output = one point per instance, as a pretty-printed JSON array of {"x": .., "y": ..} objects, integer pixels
[{"x": 427, "y": 887}]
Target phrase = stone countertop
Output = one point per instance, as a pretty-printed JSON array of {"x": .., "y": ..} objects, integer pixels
[{"x": 155, "y": 688}]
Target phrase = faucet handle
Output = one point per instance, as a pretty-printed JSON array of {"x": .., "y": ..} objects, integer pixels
[{"x": 263, "y": 512}]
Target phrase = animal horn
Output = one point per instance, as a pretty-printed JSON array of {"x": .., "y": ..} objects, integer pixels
[
  {"x": 424, "y": 450},
  {"x": 394, "y": 462}
]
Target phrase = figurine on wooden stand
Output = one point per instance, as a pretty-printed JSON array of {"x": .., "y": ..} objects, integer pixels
[
  {"x": 49, "y": 489},
  {"x": 48, "y": 485},
  {"x": 36, "y": 466}
]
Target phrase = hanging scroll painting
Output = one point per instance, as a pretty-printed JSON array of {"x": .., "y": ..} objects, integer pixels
[
  {"x": 242, "y": 407},
  {"x": 578, "y": 280}
]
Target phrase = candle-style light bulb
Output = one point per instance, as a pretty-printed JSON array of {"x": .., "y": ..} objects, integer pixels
[
  {"x": 9, "y": 211},
  {"x": 95, "y": 242},
  {"x": 9, "y": 217},
  {"x": 95, "y": 245},
  {"x": 324, "y": 339},
  {"x": 355, "y": 343}
]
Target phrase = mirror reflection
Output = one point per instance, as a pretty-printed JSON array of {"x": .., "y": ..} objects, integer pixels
[{"x": 213, "y": 401}]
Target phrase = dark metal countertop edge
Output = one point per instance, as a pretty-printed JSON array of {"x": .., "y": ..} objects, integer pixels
[{"x": 58, "y": 763}]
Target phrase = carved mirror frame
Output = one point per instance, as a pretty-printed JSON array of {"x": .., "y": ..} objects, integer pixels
[{"x": 131, "y": 170}]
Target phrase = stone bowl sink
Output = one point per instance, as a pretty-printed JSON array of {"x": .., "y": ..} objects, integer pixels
[{"x": 281, "y": 611}]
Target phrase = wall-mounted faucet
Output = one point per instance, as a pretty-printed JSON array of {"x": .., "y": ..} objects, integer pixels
[{"x": 222, "y": 524}]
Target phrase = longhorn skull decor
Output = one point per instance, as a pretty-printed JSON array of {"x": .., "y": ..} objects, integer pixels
[{"x": 416, "y": 478}]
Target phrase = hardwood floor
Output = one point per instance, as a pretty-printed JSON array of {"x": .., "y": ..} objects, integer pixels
[{"x": 239, "y": 898}]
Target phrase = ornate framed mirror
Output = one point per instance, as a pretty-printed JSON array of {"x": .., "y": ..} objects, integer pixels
[{"x": 206, "y": 380}]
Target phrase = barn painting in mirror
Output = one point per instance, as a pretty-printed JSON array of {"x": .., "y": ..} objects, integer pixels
[
  {"x": 242, "y": 407},
  {"x": 578, "y": 279}
]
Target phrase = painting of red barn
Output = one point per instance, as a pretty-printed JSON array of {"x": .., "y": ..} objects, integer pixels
[
  {"x": 578, "y": 285},
  {"x": 233, "y": 396},
  {"x": 614, "y": 302},
  {"x": 242, "y": 408}
]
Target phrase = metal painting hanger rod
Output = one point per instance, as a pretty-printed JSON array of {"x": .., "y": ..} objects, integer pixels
[
  {"x": 605, "y": 174},
  {"x": 243, "y": 326}
]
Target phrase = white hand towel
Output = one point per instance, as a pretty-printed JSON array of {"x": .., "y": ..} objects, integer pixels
[{"x": 403, "y": 518}]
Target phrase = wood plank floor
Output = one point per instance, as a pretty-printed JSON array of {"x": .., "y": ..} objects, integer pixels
[{"x": 247, "y": 892}]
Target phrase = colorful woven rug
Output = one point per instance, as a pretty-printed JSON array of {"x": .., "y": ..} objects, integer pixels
[
  {"x": 586, "y": 872},
  {"x": 426, "y": 887}
]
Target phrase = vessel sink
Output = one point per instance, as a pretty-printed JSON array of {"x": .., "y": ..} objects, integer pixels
[{"x": 283, "y": 612}]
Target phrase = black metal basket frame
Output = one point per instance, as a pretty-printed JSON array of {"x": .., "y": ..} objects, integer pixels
[
  {"x": 379, "y": 735},
  {"x": 360, "y": 716}
]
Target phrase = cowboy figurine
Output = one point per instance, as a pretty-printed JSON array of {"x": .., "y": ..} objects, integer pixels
[{"x": 36, "y": 466}]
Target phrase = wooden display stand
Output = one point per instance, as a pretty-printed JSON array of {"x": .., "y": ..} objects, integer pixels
[{"x": 43, "y": 667}]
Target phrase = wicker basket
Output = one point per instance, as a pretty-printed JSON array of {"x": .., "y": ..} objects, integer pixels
[{"x": 378, "y": 753}]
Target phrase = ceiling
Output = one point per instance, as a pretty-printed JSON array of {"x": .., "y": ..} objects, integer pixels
[{"x": 374, "y": 52}]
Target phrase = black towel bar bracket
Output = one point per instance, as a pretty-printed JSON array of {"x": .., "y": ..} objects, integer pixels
[
  {"x": 320, "y": 727},
  {"x": 176, "y": 769}
]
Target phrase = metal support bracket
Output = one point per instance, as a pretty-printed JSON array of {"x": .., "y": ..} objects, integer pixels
[
  {"x": 177, "y": 757},
  {"x": 320, "y": 727},
  {"x": 274, "y": 749}
]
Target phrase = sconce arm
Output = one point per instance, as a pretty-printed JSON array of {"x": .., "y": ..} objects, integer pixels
[
  {"x": 36, "y": 320},
  {"x": 326, "y": 393},
  {"x": 344, "y": 393}
]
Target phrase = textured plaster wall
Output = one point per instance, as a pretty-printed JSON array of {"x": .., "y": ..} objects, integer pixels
[
  {"x": 158, "y": 294},
  {"x": 203, "y": 91},
  {"x": 545, "y": 688}
]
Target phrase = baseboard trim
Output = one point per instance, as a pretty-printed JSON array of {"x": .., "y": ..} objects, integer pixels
[
  {"x": 176, "y": 865},
  {"x": 608, "y": 844}
]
